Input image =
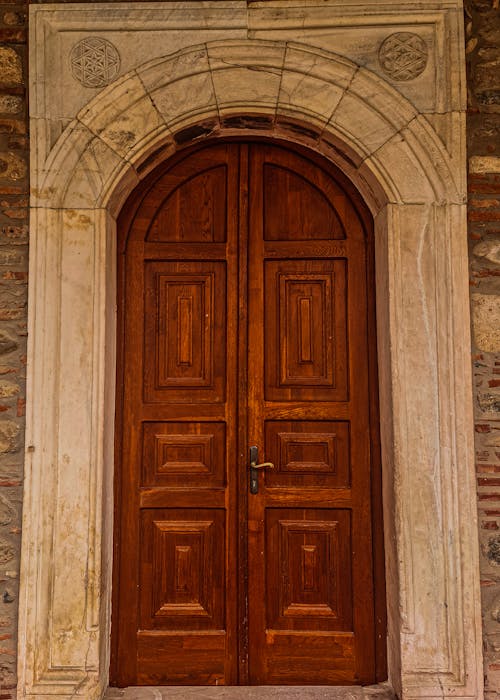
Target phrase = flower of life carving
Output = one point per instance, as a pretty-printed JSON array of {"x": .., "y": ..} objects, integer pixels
[
  {"x": 95, "y": 62},
  {"x": 403, "y": 56}
]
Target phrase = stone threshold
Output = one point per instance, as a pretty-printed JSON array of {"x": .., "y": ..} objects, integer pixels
[{"x": 383, "y": 691}]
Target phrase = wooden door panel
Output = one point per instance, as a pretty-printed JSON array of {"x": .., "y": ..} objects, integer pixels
[
  {"x": 292, "y": 658},
  {"x": 194, "y": 211},
  {"x": 296, "y": 208},
  {"x": 312, "y": 591},
  {"x": 175, "y": 617},
  {"x": 312, "y": 454},
  {"x": 308, "y": 562},
  {"x": 184, "y": 454},
  {"x": 185, "y": 332},
  {"x": 182, "y": 579},
  {"x": 305, "y": 330},
  {"x": 189, "y": 659},
  {"x": 244, "y": 322}
]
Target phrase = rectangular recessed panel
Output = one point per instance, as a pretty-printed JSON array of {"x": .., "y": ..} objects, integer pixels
[
  {"x": 308, "y": 453},
  {"x": 309, "y": 569},
  {"x": 294, "y": 659},
  {"x": 184, "y": 659},
  {"x": 184, "y": 454},
  {"x": 182, "y": 569},
  {"x": 184, "y": 307},
  {"x": 305, "y": 324},
  {"x": 185, "y": 330},
  {"x": 305, "y": 330},
  {"x": 185, "y": 322}
]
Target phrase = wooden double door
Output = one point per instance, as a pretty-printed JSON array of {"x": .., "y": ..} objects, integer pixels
[{"x": 246, "y": 335}]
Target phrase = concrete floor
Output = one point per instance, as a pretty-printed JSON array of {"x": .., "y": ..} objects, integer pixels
[{"x": 380, "y": 692}]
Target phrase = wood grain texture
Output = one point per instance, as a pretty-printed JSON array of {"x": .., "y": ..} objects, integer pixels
[
  {"x": 308, "y": 363},
  {"x": 246, "y": 318},
  {"x": 176, "y": 454},
  {"x": 195, "y": 209}
]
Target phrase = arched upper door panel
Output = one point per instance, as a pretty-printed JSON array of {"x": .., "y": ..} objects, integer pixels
[{"x": 301, "y": 202}]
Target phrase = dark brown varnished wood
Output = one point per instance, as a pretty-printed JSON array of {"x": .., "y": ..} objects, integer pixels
[
  {"x": 246, "y": 318},
  {"x": 308, "y": 324}
]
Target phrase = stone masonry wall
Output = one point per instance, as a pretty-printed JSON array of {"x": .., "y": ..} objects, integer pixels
[
  {"x": 483, "y": 63},
  {"x": 483, "y": 55},
  {"x": 13, "y": 308}
]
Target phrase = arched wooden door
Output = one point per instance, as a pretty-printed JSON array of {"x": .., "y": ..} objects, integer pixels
[{"x": 246, "y": 330}]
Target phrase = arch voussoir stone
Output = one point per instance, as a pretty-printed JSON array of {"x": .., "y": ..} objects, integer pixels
[{"x": 125, "y": 118}]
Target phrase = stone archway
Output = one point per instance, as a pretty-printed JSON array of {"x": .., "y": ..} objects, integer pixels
[{"x": 415, "y": 190}]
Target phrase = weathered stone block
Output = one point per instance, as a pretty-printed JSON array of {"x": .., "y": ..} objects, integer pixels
[
  {"x": 489, "y": 249},
  {"x": 7, "y": 553},
  {"x": 11, "y": 72},
  {"x": 7, "y": 511},
  {"x": 14, "y": 235},
  {"x": 7, "y": 343},
  {"x": 11, "y": 104},
  {"x": 9, "y": 436},
  {"x": 486, "y": 321},
  {"x": 8, "y": 389},
  {"x": 12, "y": 166},
  {"x": 14, "y": 17}
]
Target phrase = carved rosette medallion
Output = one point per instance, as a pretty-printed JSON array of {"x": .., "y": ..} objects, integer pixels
[
  {"x": 403, "y": 56},
  {"x": 95, "y": 62}
]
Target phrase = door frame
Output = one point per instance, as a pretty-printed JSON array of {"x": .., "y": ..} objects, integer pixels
[
  {"x": 409, "y": 164},
  {"x": 124, "y": 224}
]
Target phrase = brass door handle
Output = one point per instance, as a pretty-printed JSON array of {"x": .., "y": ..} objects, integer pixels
[{"x": 254, "y": 467}]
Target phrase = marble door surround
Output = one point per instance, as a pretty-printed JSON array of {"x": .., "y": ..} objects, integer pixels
[{"x": 378, "y": 87}]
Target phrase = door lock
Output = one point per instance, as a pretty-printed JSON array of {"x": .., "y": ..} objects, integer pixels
[{"x": 254, "y": 467}]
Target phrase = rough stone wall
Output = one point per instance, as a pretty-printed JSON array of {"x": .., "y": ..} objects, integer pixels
[
  {"x": 13, "y": 307},
  {"x": 483, "y": 63}
]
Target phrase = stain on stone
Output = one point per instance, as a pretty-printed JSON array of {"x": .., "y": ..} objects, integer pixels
[
  {"x": 7, "y": 597},
  {"x": 76, "y": 218},
  {"x": 122, "y": 139},
  {"x": 194, "y": 132}
]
